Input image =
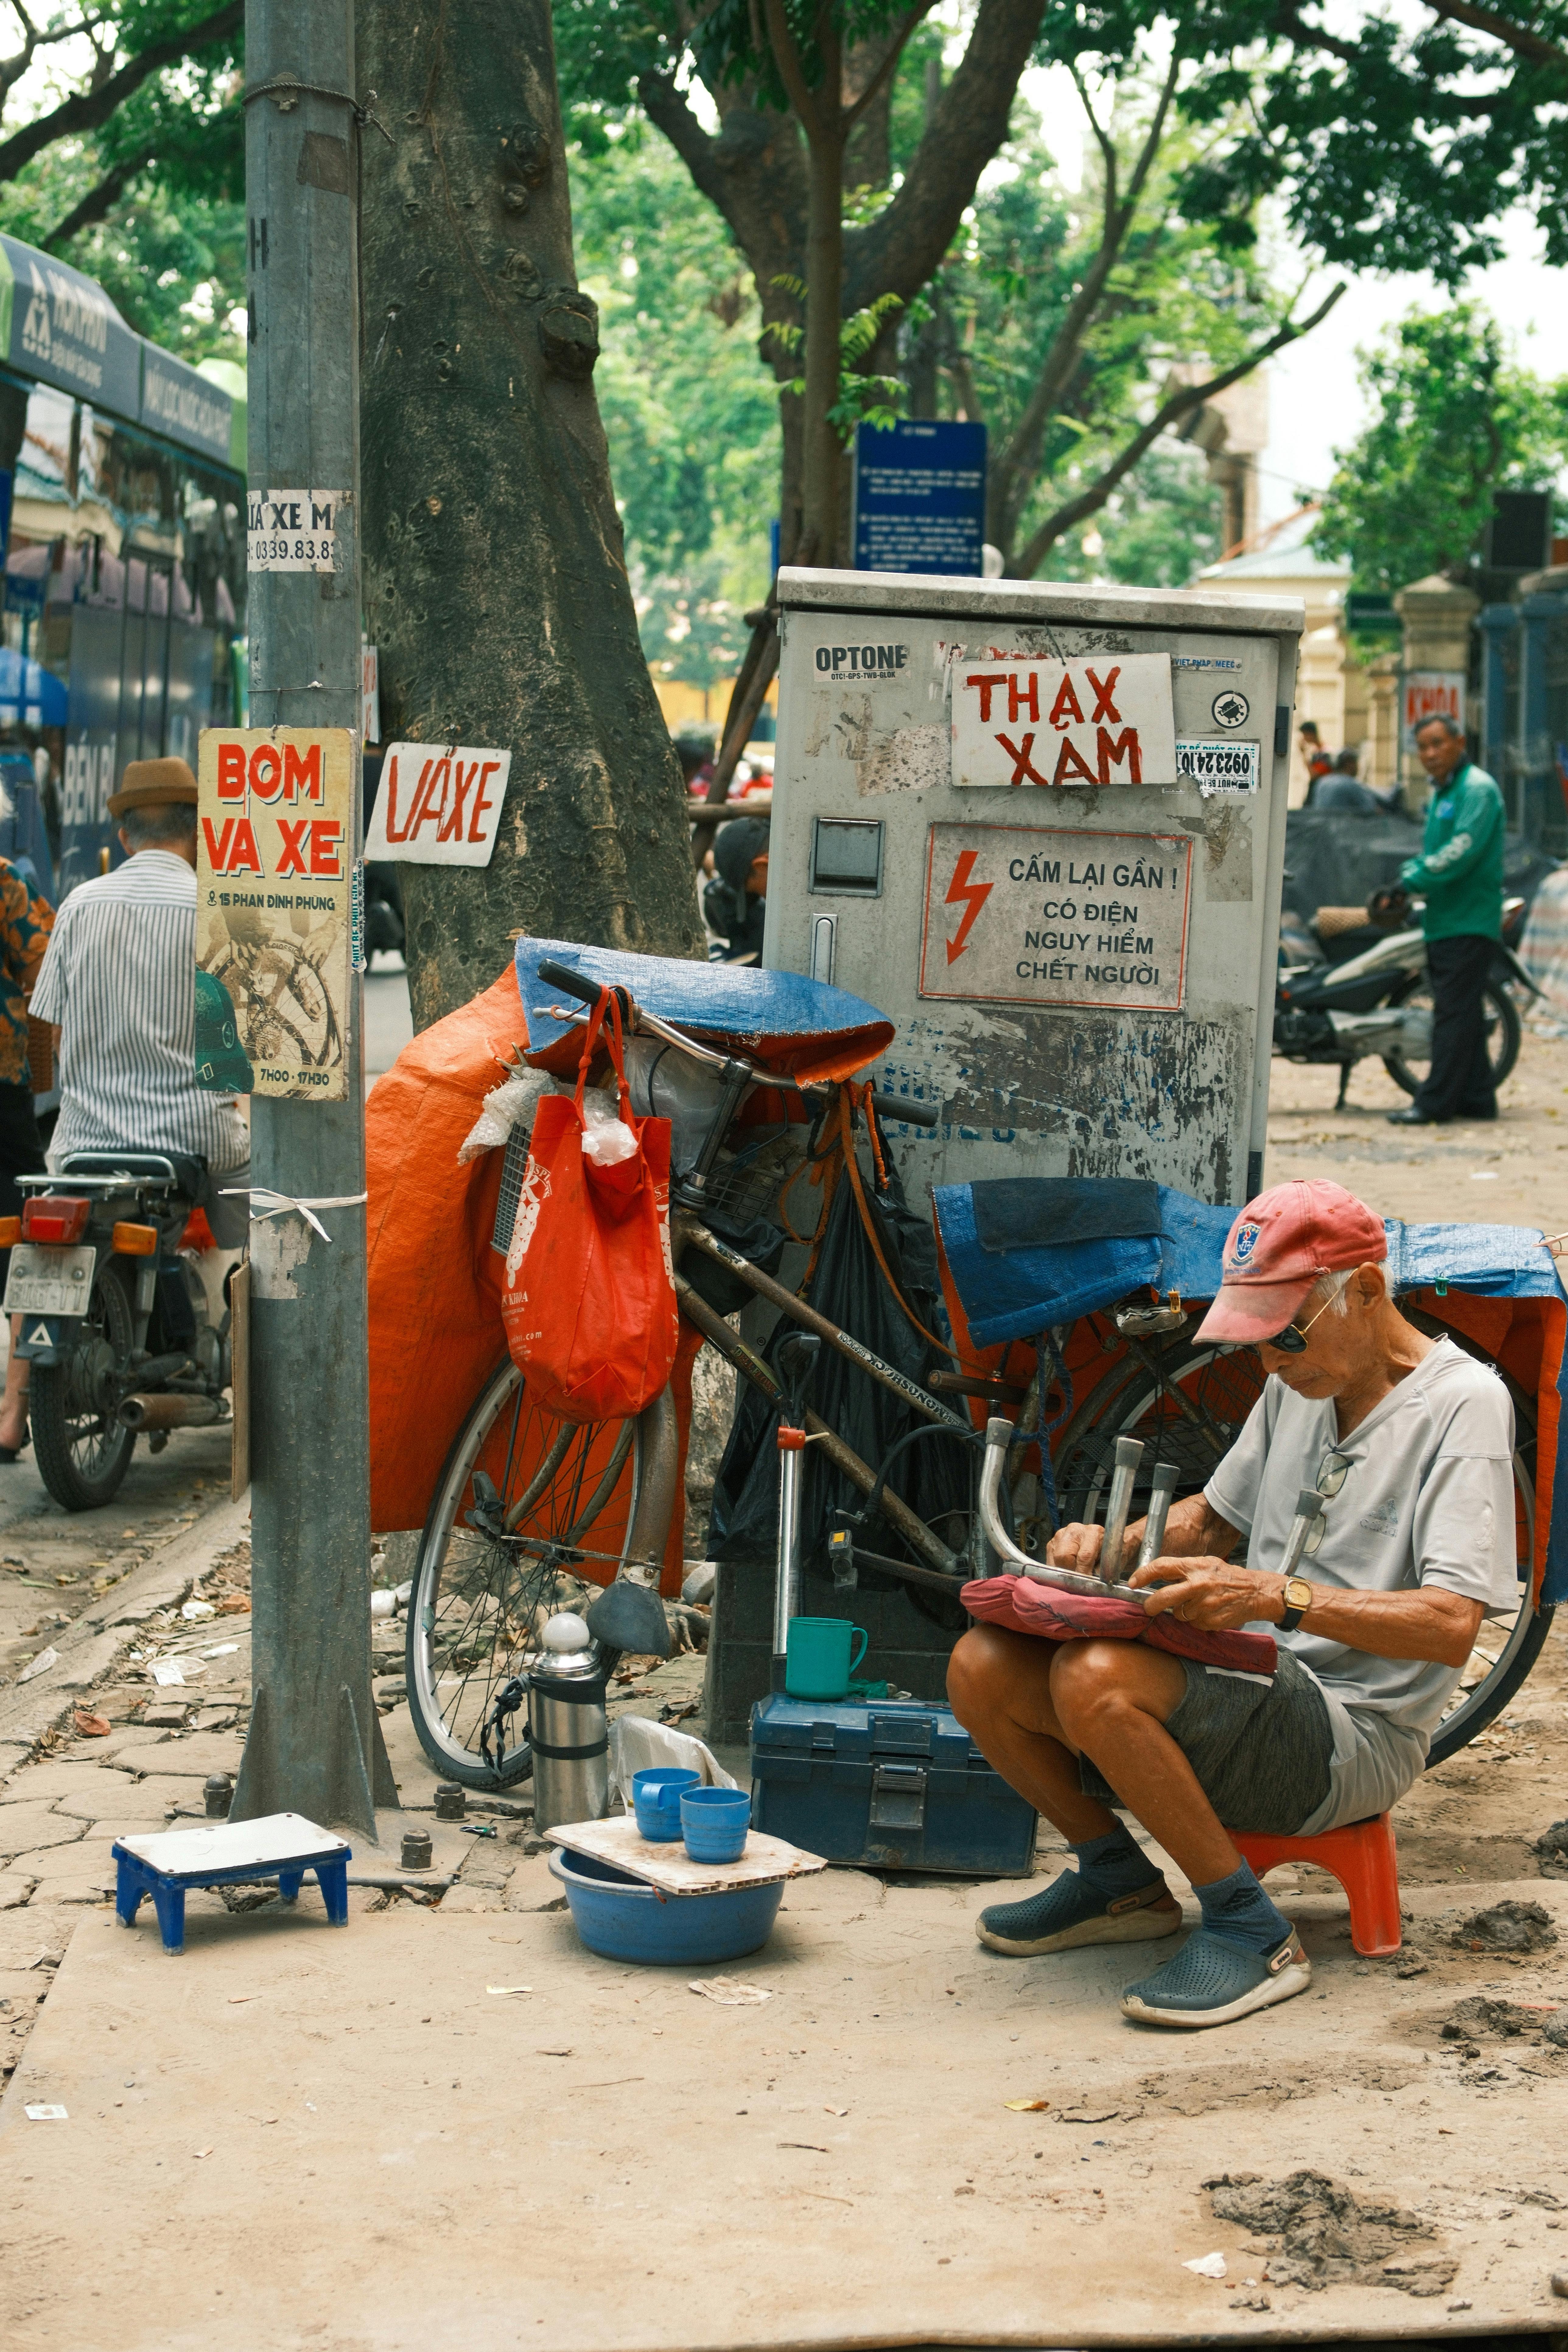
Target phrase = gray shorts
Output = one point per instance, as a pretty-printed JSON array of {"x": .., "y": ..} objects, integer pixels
[{"x": 1262, "y": 1750}]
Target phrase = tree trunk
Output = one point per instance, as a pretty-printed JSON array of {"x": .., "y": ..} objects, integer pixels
[
  {"x": 823, "y": 452},
  {"x": 494, "y": 585}
]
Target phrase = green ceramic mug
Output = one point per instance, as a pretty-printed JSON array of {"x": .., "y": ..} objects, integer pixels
[{"x": 818, "y": 1664}]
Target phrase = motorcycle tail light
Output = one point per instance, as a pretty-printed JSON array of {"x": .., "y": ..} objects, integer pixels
[
  {"x": 136, "y": 1241},
  {"x": 54, "y": 1217},
  {"x": 10, "y": 1232}
]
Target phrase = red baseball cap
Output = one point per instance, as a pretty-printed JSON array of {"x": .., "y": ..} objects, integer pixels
[{"x": 1276, "y": 1251}]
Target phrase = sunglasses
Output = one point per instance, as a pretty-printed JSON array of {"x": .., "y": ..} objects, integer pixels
[
  {"x": 1292, "y": 1340},
  {"x": 1332, "y": 1470}
]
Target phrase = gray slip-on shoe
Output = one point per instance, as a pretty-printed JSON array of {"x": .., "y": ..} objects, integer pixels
[
  {"x": 1070, "y": 1913},
  {"x": 1211, "y": 1982}
]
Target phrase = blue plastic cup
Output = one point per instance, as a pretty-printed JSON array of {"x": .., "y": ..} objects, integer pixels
[
  {"x": 656, "y": 1792},
  {"x": 714, "y": 1822}
]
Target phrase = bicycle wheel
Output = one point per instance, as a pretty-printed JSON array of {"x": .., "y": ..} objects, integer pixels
[
  {"x": 83, "y": 1451},
  {"x": 569, "y": 1494},
  {"x": 1503, "y": 1033},
  {"x": 1218, "y": 1388},
  {"x": 1508, "y": 1646}
]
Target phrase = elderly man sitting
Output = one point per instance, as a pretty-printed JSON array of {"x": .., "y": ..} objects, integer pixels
[{"x": 1409, "y": 1441}]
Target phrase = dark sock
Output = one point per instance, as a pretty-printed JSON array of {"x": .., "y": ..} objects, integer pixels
[
  {"x": 1237, "y": 1911},
  {"x": 1115, "y": 1864}
]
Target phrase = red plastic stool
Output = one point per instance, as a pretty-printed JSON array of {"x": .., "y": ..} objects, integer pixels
[{"x": 1361, "y": 1856}]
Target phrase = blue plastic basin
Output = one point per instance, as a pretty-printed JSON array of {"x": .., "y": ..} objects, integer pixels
[{"x": 624, "y": 1920}]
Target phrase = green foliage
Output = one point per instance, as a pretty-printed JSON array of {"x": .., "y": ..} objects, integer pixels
[
  {"x": 1395, "y": 140},
  {"x": 1176, "y": 299},
  {"x": 875, "y": 400},
  {"x": 691, "y": 416},
  {"x": 1157, "y": 530},
  {"x": 1453, "y": 419},
  {"x": 168, "y": 245}
]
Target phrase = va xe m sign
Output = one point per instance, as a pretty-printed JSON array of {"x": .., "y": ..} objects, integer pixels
[
  {"x": 1100, "y": 718},
  {"x": 439, "y": 804}
]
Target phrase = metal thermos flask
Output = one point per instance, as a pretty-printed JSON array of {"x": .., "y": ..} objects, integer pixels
[{"x": 567, "y": 1726}]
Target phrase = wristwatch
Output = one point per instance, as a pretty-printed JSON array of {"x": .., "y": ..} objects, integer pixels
[{"x": 1298, "y": 1597}]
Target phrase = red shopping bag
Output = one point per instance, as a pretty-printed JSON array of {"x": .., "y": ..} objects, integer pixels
[{"x": 589, "y": 1303}]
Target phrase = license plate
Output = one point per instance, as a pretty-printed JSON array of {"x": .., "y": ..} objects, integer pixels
[{"x": 49, "y": 1281}]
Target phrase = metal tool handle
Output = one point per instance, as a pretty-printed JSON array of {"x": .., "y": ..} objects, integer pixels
[
  {"x": 1161, "y": 1496},
  {"x": 786, "y": 1585},
  {"x": 999, "y": 1435},
  {"x": 1130, "y": 1452}
]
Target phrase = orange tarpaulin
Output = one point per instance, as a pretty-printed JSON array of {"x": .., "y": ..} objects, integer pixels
[{"x": 435, "y": 1328}]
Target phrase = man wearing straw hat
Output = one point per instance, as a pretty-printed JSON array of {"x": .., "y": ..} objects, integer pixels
[{"x": 118, "y": 986}]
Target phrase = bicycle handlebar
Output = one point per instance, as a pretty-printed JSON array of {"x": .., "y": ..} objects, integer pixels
[
  {"x": 913, "y": 1114},
  {"x": 563, "y": 976},
  {"x": 572, "y": 983}
]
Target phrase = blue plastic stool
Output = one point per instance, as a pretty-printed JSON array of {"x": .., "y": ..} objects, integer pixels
[{"x": 283, "y": 1846}]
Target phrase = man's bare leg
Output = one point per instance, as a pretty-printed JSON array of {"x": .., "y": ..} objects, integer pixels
[{"x": 1033, "y": 1708}]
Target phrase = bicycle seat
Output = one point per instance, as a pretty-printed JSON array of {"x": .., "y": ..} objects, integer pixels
[{"x": 184, "y": 1170}]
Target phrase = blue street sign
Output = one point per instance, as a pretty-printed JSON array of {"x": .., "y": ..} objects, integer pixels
[{"x": 920, "y": 498}]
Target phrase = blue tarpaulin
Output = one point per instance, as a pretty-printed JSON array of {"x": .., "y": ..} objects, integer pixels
[
  {"x": 1017, "y": 1294},
  {"x": 781, "y": 1018}
]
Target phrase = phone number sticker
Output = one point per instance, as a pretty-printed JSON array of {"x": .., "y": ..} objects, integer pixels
[
  {"x": 292, "y": 530},
  {"x": 1224, "y": 767}
]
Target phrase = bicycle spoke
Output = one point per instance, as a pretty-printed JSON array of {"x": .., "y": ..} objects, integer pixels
[{"x": 567, "y": 1493}]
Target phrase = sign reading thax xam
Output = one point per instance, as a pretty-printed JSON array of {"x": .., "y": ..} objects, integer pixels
[
  {"x": 439, "y": 804},
  {"x": 1102, "y": 718}
]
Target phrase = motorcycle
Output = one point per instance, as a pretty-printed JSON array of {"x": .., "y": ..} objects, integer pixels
[
  {"x": 1339, "y": 999},
  {"x": 127, "y": 1328}
]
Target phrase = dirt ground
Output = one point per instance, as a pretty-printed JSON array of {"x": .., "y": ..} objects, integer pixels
[{"x": 1510, "y": 1172}]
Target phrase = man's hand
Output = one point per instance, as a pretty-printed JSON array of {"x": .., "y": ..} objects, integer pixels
[
  {"x": 1208, "y": 1592},
  {"x": 1077, "y": 1546}
]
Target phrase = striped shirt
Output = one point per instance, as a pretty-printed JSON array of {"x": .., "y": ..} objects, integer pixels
[{"x": 119, "y": 980}]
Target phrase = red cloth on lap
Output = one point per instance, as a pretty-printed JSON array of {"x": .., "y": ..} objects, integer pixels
[{"x": 1026, "y": 1606}]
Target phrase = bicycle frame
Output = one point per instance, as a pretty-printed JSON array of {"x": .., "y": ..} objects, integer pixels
[{"x": 944, "y": 1569}]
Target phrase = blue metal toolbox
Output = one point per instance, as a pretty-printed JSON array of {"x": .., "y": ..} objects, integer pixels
[{"x": 892, "y": 1784}]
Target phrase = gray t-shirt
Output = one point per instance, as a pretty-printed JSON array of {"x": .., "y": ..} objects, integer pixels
[{"x": 1429, "y": 1500}]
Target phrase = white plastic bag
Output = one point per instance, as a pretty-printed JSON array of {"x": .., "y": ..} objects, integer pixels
[
  {"x": 610, "y": 1141},
  {"x": 516, "y": 1099},
  {"x": 637, "y": 1742}
]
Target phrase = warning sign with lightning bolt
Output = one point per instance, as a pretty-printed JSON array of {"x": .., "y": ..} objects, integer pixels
[
  {"x": 1027, "y": 916},
  {"x": 970, "y": 895}
]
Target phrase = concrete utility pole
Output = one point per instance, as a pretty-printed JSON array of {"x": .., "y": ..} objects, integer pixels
[{"x": 314, "y": 1745}]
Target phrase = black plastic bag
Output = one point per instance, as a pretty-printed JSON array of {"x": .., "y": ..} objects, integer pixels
[{"x": 933, "y": 1475}]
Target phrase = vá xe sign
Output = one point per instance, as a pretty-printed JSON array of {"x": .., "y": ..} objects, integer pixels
[
  {"x": 1098, "y": 718},
  {"x": 439, "y": 804}
]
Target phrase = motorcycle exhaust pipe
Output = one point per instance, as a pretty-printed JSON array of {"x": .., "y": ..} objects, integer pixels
[{"x": 168, "y": 1411}]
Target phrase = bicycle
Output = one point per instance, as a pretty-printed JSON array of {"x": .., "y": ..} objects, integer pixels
[{"x": 524, "y": 1500}]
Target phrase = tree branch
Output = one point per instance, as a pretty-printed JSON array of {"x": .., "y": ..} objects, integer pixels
[
  {"x": 792, "y": 73},
  {"x": 852, "y": 113},
  {"x": 668, "y": 111},
  {"x": 98, "y": 201},
  {"x": 896, "y": 252},
  {"x": 1179, "y": 404},
  {"x": 90, "y": 110},
  {"x": 1516, "y": 37}
]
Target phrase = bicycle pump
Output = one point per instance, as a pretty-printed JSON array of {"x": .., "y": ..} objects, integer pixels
[{"x": 796, "y": 1362}]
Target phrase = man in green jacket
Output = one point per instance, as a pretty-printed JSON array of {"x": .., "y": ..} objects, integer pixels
[{"x": 1460, "y": 874}]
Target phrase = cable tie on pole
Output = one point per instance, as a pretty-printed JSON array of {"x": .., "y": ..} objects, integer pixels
[{"x": 265, "y": 1203}]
